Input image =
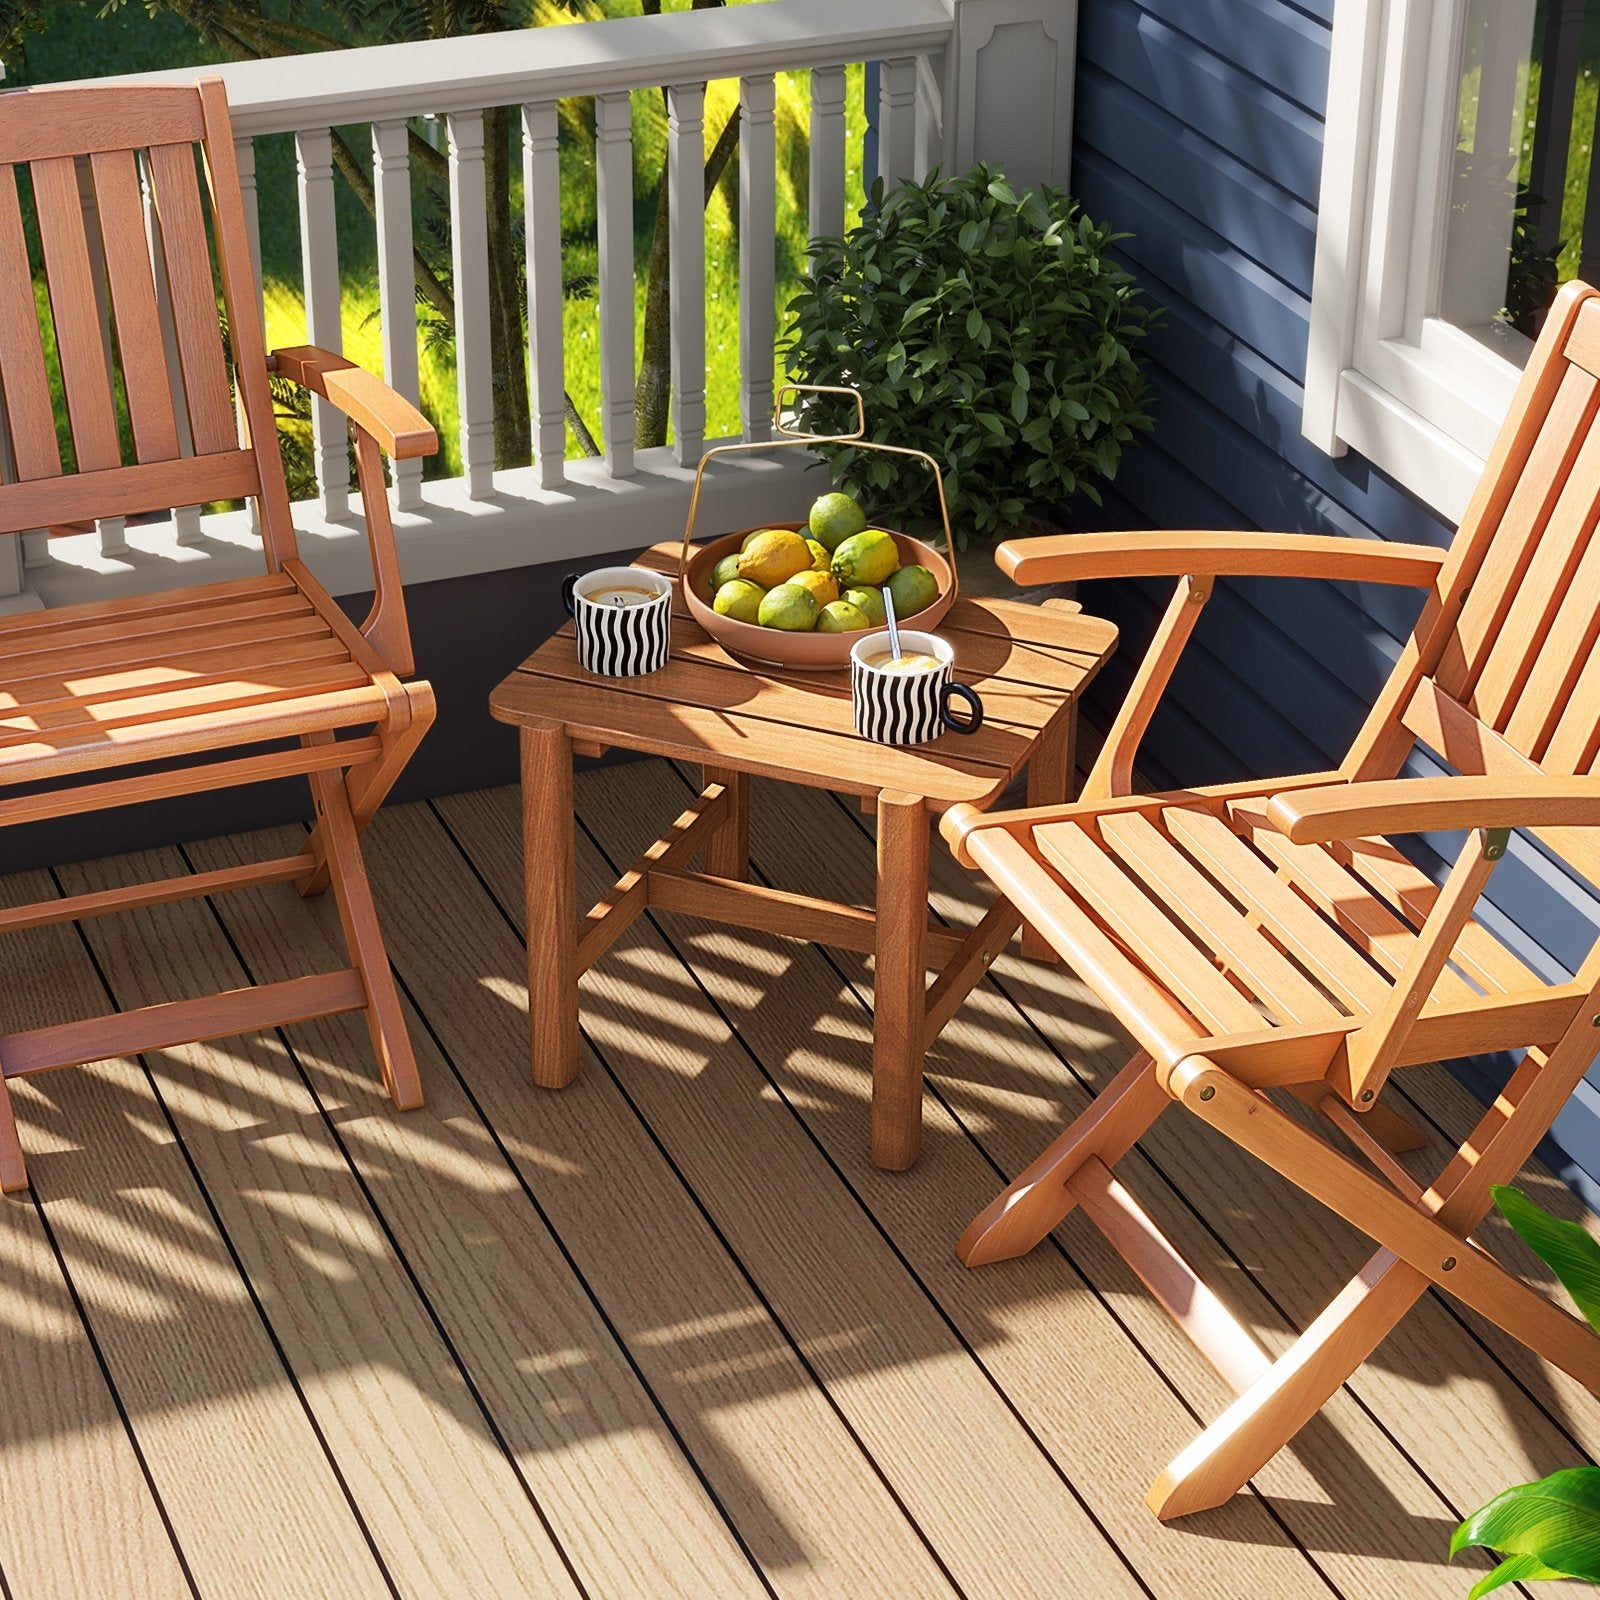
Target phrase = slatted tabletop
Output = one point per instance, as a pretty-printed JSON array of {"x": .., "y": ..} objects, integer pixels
[{"x": 1027, "y": 662}]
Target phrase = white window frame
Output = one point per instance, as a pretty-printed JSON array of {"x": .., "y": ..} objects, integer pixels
[{"x": 1386, "y": 375}]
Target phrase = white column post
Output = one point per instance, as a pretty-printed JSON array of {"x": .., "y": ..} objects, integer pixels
[
  {"x": 827, "y": 152},
  {"x": 686, "y": 160},
  {"x": 319, "y": 268},
  {"x": 897, "y": 120},
  {"x": 541, "y": 209},
  {"x": 397, "y": 284},
  {"x": 1008, "y": 86},
  {"x": 185, "y": 519},
  {"x": 757, "y": 253},
  {"x": 613, "y": 133},
  {"x": 469, "y": 256}
]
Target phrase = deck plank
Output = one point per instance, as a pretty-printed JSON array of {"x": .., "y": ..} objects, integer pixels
[
  {"x": 971, "y": 1477},
  {"x": 1044, "y": 1348},
  {"x": 254, "y": 1502},
  {"x": 441, "y": 1502},
  {"x": 585, "y": 1432},
  {"x": 66, "y": 1459},
  {"x": 776, "y": 1453}
]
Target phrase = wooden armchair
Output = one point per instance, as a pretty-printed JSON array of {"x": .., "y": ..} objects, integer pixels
[
  {"x": 1268, "y": 937},
  {"x": 200, "y": 688}
]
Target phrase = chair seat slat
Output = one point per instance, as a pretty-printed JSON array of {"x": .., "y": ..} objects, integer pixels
[
  {"x": 1160, "y": 945},
  {"x": 1214, "y": 920},
  {"x": 1320, "y": 949}
]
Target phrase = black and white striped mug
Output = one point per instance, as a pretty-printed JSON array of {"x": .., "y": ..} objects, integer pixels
[
  {"x": 905, "y": 699},
  {"x": 623, "y": 617}
]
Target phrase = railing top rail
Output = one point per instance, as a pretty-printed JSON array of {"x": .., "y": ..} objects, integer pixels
[{"x": 381, "y": 82}]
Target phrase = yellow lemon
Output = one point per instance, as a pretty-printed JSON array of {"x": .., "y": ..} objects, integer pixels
[
  {"x": 820, "y": 557},
  {"x": 774, "y": 557},
  {"x": 821, "y": 586},
  {"x": 755, "y": 533}
]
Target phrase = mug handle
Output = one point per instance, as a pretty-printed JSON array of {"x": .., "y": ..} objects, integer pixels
[
  {"x": 568, "y": 584},
  {"x": 969, "y": 724}
]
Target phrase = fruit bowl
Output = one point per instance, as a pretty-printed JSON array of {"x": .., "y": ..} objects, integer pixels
[{"x": 805, "y": 652}]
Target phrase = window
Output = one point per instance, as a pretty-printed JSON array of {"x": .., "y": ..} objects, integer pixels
[{"x": 1437, "y": 252}]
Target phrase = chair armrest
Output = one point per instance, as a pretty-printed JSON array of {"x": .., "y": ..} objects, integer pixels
[
  {"x": 1057, "y": 557},
  {"x": 1421, "y": 805},
  {"x": 400, "y": 429}
]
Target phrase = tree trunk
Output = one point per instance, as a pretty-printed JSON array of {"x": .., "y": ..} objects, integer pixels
[{"x": 513, "y": 434}]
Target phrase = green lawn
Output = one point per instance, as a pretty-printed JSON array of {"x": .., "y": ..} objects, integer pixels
[{"x": 79, "y": 44}]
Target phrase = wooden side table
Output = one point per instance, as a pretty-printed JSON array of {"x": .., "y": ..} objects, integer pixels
[{"x": 1029, "y": 663}]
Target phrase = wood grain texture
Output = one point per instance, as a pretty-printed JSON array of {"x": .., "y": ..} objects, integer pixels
[{"x": 378, "y": 1381}]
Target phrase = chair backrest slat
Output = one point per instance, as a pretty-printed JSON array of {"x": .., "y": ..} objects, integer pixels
[
  {"x": 194, "y": 300},
  {"x": 28, "y": 407},
  {"x": 133, "y": 303},
  {"x": 80, "y": 347},
  {"x": 133, "y": 252},
  {"x": 1502, "y": 675}
]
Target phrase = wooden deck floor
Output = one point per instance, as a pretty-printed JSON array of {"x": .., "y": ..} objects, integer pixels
[{"x": 666, "y": 1333}]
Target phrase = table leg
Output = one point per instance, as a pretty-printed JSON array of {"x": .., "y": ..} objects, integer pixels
[
  {"x": 899, "y": 981},
  {"x": 550, "y": 871},
  {"x": 727, "y": 853},
  {"x": 1050, "y": 782}
]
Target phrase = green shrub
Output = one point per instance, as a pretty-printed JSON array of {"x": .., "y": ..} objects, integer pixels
[{"x": 991, "y": 331}]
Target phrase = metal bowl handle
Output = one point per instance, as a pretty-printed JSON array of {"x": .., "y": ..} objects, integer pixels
[{"x": 793, "y": 438}]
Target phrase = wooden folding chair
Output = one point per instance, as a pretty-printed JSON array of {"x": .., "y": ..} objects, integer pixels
[
  {"x": 1267, "y": 936},
  {"x": 200, "y": 688}
]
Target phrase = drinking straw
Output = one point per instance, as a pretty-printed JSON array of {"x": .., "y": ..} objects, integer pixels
[{"x": 888, "y": 616}]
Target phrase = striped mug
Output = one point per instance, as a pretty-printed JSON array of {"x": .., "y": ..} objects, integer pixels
[
  {"x": 623, "y": 617},
  {"x": 906, "y": 699}
]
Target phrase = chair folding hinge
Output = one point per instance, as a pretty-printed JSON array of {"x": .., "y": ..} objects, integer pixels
[
  {"x": 1495, "y": 842},
  {"x": 1199, "y": 588}
]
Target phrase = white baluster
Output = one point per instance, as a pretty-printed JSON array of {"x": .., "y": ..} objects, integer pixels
[
  {"x": 827, "y": 152},
  {"x": 185, "y": 519},
  {"x": 758, "y": 226},
  {"x": 319, "y": 266},
  {"x": 397, "y": 284},
  {"x": 613, "y": 133},
  {"x": 897, "y": 119},
  {"x": 541, "y": 209},
  {"x": 469, "y": 256},
  {"x": 244, "y": 155},
  {"x": 113, "y": 531},
  {"x": 686, "y": 164}
]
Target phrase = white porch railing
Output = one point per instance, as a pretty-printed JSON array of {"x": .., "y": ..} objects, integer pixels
[{"x": 554, "y": 509}]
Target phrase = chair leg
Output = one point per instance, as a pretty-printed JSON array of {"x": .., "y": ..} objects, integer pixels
[
  {"x": 369, "y": 785},
  {"x": 359, "y": 917},
  {"x": 13, "y": 1169},
  {"x": 1218, "y": 1463},
  {"x": 1024, "y": 1212}
]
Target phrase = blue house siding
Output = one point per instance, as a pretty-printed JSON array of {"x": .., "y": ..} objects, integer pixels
[{"x": 1199, "y": 132}]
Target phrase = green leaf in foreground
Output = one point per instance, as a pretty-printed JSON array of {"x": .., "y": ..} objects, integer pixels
[
  {"x": 1514, "y": 1569},
  {"x": 1555, "y": 1521},
  {"x": 1564, "y": 1247}
]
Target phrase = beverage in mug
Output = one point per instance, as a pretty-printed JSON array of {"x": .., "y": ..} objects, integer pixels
[
  {"x": 905, "y": 699},
  {"x": 622, "y": 617}
]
